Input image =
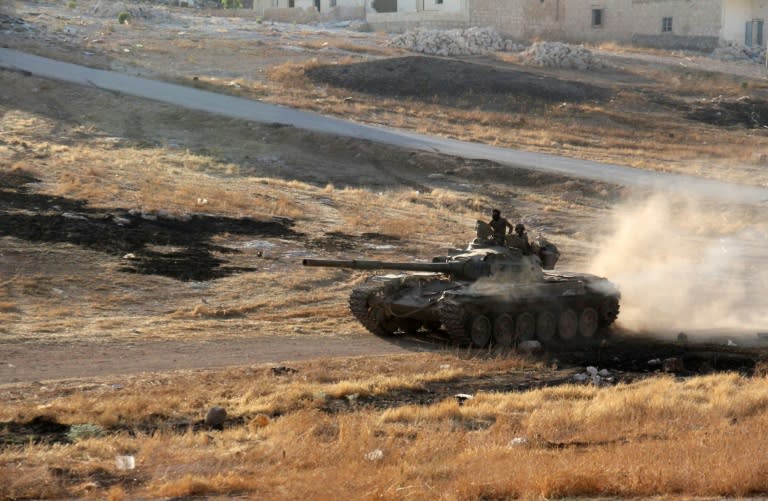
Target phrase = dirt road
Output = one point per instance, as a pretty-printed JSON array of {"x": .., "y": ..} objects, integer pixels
[
  {"x": 19, "y": 363},
  {"x": 256, "y": 111}
]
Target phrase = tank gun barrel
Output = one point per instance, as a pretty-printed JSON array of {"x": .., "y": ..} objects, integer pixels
[{"x": 360, "y": 264}]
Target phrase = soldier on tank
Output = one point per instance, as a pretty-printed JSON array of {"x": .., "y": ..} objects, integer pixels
[
  {"x": 519, "y": 239},
  {"x": 499, "y": 226}
]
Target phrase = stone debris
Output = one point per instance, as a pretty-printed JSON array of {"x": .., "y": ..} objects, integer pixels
[
  {"x": 531, "y": 347},
  {"x": 463, "y": 397},
  {"x": 458, "y": 42},
  {"x": 731, "y": 51},
  {"x": 125, "y": 462},
  {"x": 560, "y": 55},
  {"x": 598, "y": 377},
  {"x": 673, "y": 365},
  {"x": 375, "y": 455},
  {"x": 517, "y": 441},
  {"x": 215, "y": 417}
]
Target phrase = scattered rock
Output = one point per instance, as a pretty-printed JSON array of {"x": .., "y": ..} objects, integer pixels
[
  {"x": 529, "y": 347},
  {"x": 673, "y": 365},
  {"x": 560, "y": 55},
  {"x": 463, "y": 397},
  {"x": 215, "y": 417},
  {"x": 458, "y": 42},
  {"x": 731, "y": 51},
  {"x": 517, "y": 441},
  {"x": 375, "y": 455},
  {"x": 125, "y": 462}
]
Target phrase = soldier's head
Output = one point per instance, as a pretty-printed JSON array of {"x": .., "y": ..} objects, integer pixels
[
  {"x": 495, "y": 214},
  {"x": 520, "y": 228}
]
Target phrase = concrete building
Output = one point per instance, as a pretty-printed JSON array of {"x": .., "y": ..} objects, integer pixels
[
  {"x": 303, "y": 11},
  {"x": 688, "y": 24}
]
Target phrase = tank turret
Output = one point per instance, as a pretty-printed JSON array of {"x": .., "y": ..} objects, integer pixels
[
  {"x": 483, "y": 294},
  {"x": 469, "y": 265}
]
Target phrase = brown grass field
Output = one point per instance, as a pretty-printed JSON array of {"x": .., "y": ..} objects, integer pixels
[{"x": 127, "y": 223}]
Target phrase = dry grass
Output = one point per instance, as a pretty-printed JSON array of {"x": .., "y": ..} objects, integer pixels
[
  {"x": 653, "y": 438},
  {"x": 622, "y": 130}
]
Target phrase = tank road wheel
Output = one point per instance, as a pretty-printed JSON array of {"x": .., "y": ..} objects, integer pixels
[
  {"x": 454, "y": 320},
  {"x": 525, "y": 327},
  {"x": 379, "y": 316},
  {"x": 546, "y": 326},
  {"x": 480, "y": 331},
  {"x": 568, "y": 324},
  {"x": 609, "y": 311},
  {"x": 588, "y": 322},
  {"x": 504, "y": 330},
  {"x": 365, "y": 304}
]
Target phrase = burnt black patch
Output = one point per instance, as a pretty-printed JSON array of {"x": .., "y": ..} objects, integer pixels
[
  {"x": 17, "y": 179},
  {"x": 98, "y": 476},
  {"x": 455, "y": 83},
  {"x": 147, "y": 243},
  {"x": 39, "y": 430},
  {"x": 723, "y": 112}
]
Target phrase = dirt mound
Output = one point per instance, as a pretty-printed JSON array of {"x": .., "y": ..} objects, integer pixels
[{"x": 429, "y": 79}]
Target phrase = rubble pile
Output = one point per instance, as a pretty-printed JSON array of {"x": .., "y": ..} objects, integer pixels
[
  {"x": 737, "y": 52},
  {"x": 456, "y": 42},
  {"x": 105, "y": 9},
  {"x": 560, "y": 55}
]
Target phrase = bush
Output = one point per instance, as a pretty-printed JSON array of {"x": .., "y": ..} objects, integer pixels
[{"x": 123, "y": 17}]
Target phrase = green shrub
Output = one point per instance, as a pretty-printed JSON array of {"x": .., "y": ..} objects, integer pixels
[{"x": 123, "y": 17}]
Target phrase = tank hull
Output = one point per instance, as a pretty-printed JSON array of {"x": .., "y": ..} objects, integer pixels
[
  {"x": 486, "y": 294},
  {"x": 561, "y": 307}
]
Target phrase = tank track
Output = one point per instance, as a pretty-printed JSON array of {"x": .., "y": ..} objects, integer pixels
[
  {"x": 609, "y": 311},
  {"x": 358, "y": 305},
  {"x": 453, "y": 318}
]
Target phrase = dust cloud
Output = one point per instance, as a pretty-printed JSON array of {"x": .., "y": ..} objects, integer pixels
[{"x": 687, "y": 266}]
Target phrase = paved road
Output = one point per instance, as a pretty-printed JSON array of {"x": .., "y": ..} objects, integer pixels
[{"x": 260, "y": 112}]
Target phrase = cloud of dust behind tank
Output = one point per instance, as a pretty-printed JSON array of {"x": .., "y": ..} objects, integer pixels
[{"x": 684, "y": 266}]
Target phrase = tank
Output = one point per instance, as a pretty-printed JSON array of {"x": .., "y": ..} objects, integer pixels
[{"x": 487, "y": 294}]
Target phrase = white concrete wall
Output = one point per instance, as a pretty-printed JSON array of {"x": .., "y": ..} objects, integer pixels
[
  {"x": 736, "y": 13},
  {"x": 398, "y": 22},
  {"x": 446, "y": 6}
]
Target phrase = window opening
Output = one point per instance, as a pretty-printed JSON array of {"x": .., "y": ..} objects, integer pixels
[
  {"x": 666, "y": 25},
  {"x": 597, "y": 17}
]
